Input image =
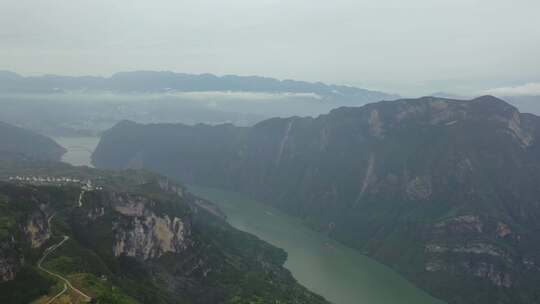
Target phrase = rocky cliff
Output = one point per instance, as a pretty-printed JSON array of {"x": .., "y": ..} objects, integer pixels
[
  {"x": 23, "y": 226},
  {"x": 138, "y": 238},
  {"x": 444, "y": 191},
  {"x": 142, "y": 234}
]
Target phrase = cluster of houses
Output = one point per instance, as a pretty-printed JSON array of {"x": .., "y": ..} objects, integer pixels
[{"x": 87, "y": 185}]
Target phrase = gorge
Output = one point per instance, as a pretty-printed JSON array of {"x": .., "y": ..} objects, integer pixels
[{"x": 443, "y": 191}]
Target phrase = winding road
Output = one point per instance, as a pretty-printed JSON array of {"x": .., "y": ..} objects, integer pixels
[
  {"x": 67, "y": 284},
  {"x": 80, "y": 198}
]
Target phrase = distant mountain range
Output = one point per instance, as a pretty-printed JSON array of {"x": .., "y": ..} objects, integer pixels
[
  {"x": 160, "y": 82},
  {"x": 444, "y": 191}
]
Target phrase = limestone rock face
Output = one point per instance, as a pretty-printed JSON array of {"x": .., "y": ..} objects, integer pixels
[
  {"x": 149, "y": 237},
  {"x": 37, "y": 229},
  {"x": 24, "y": 226},
  {"x": 375, "y": 124},
  {"x": 142, "y": 234},
  {"x": 514, "y": 124},
  {"x": 131, "y": 207}
]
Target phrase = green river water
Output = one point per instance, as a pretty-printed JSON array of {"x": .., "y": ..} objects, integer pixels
[
  {"x": 79, "y": 149},
  {"x": 340, "y": 274}
]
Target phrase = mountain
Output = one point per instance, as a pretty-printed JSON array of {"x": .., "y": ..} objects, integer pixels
[
  {"x": 160, "y": 82},
  {"x": 527, "y": 104},
  {"x": 127, "y": 237},
  {"x": 443, "y": 191},
  {"x": 17, "y": 143}
]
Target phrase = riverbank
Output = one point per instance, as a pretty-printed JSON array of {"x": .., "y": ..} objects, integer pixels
[{"x": 339, "y": 273}]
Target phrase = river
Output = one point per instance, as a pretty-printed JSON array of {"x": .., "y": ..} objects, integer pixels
[
  {"x": 79, "y": 149},
  {"x": 340, "y": 274}
]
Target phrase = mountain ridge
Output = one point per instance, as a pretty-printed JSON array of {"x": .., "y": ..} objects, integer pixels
[
  {"x": 19, "y": 143},
  {"x": 444, "y": 191},
  {"x": 166, "y": 81}
]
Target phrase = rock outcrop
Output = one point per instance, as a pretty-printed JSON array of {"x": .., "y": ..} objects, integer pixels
[
  {"x": 37, "y": 229},
  {"x": 24, "y": 226},
  {"x": 149, "y": 236}
]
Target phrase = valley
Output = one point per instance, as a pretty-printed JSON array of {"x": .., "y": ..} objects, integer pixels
[
  {"x": 326, "y": 267},
  {"x": 270, "y": 152},
  {"x": 443, "y": 191}
]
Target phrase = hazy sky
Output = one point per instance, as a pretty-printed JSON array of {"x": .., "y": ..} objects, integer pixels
[{"x": 408, "y": 47}]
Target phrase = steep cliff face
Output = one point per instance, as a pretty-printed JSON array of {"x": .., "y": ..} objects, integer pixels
[
  {"x": 445, "y": 191},
  {"x": 23, "y": 225},
  {"x": 139, "y": 228},
  {"x": 149, "y": 237},
  {"x": 142, "y": 234},
  {"x": 37, "y": 229}
]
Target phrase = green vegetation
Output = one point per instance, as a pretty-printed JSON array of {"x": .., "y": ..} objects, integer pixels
[
  {"x": 7, "y": 220},
  {"x": 219, "y": 264},
  {"x": 27, "y": 286}
]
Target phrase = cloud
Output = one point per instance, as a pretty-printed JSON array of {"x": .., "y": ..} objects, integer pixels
[
  {"x": 528, "y": 89},
  {"x": 251, "y": 96},
  {"x": 388, "y": 44}
]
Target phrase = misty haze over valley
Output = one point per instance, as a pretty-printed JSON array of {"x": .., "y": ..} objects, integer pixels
[
  {"x": 265, "y": 152},
  {"x": 87, "y": 106}
]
